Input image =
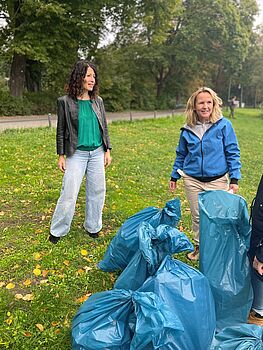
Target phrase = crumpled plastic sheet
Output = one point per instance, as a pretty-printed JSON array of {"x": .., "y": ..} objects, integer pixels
[
  {"x": 224, "y": 242},
  {"x": 122, "y": 320},
  {"x": 125, "y": 243},
  {"x": 240, "y": 337},
  {"x": 154, "y": 245},
  {"x": 187, "y": 293}
]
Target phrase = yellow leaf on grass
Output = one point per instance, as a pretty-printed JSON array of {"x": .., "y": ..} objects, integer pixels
[
  {"x": 57, "y": 331},
  {"x": 2, "y": 284},
  {"x": 27, "y": 334},
  {"x": 54, "y": 324},
  {"x": 44, "y": 273},
  {"x": 40, "y": 327},
  {"x": 27, "y": 282},
  {"x": 10, "y": 285},
  {"x": 80, "y": 271},
  {"x": 87, "y": 268},
  {"x": 39, "y": 231},
  {"x": 9, "y": 321},
  {"x": 83, "y": 298},
  {"x": 84, "y": 252},
  {"x": 66, "y": 262},
  {"x": 37, "y": 272},
  {"x": 28, "y": 297},
  {"x": 19, "y": 296},
  {"x": 44, "y": 281},
  {"x": 37, "y": 256}
]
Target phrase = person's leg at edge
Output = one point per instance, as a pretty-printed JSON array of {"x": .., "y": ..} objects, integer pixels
[
  {"x": 192, "y": 188},
  {"x": 95, "y": 192},
  {"x": 65, "y": 208},
  {"x": 256, "y": 313}
]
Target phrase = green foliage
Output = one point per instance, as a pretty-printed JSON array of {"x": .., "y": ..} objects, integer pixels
[
  {"x": 162, "y": 51},
  {"x": 29, "y": 104},
  {"x": 42, "y": 285}
]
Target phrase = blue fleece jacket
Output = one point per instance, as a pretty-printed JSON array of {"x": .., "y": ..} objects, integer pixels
[{"x": 215, "y": 154}]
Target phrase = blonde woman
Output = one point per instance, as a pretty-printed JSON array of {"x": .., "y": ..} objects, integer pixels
[{"x": 207, "y": 156}]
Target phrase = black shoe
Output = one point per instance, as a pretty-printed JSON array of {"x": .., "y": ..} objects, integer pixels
[
  {"x": 53, "y": 239},
  {"x": 93, "y": 235}
]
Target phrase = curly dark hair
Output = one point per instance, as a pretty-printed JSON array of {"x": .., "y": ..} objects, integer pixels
[{"x": 74, "y": 87}]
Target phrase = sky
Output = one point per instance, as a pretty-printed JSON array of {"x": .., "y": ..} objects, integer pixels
[{"x": 259, "y": 19}]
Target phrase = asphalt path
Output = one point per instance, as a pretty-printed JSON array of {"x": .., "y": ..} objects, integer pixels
[{"x": 34, "y": 121}]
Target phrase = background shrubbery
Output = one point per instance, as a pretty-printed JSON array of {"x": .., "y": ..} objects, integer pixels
[{"x": 29, "y": 104}]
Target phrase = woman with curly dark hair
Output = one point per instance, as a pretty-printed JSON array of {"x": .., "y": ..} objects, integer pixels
[{"x": 83, "y": 146}]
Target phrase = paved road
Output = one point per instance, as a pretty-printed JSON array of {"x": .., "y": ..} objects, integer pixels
[{"x": 33, "y": 121}]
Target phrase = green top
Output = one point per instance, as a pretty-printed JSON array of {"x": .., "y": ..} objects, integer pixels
[{"x": 89, "y": 135}]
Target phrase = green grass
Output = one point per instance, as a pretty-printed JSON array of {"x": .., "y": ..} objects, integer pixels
[{"x": 57, "y": 277}]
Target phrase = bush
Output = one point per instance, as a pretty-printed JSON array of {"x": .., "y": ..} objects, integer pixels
[{"x": 30, "y": 103}]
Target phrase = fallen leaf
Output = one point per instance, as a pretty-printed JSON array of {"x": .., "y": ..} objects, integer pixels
[
  {"x": 40, "y": 327},
  {"x": 37, "y": 272},
  {"x": 27, "y": 282},
  {"x": 10, "y": 285},
  {"x": 37, "y": 256},
  {"x": 9, "y": 321},
  {"x": 57, "y": 331},
  {"x": 44, "y": 281},
  {"x": 28, "y": 297},
  {"x": 2, "y": 284},
  {"x": 54, "y": 324},
  {"x": 66, "y": 262},
  {"x": 18, "y": 296},
  {"x": 83, "y": 298},
  {"x": 84, "y": 252},
  {"x": 27, "y": 334},
  {"x": 87, "y": 268},
  {"x": 44, "y": 273},
  {"x": 38, "y": 231},
  {"x": 80, "y": 271}
]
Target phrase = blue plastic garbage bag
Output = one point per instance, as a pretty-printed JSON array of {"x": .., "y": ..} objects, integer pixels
[
  {"x": 122, "y": 320},
  {"x": 241, "y": 337},
  {"x": 188, "y": 294},
  {"x": 125, "y": 242},
  {"x": 154, "y": 245},
  {"x": 224, "y": 242}
]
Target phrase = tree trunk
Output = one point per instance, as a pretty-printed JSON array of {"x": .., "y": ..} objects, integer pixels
[
  {"x": 17, "y": 75},
  {"x": 33, "y": 76}
]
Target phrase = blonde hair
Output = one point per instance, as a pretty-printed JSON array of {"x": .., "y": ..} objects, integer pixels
[{"x": 191, "y": 115}]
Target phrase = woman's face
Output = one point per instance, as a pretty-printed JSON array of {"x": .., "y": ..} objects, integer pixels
[
  {"x": 204, "y": 106},
  {"x": 89, "y": 80}
]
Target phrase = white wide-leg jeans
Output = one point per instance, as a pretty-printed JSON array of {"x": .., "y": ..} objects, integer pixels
[{"x": 91, "y": 164}]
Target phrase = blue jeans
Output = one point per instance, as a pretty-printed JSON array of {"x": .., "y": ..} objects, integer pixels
[{"x": 80, "y": 163}]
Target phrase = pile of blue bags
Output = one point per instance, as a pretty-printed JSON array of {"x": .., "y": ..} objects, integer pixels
[{"x": 159, "y": 302}]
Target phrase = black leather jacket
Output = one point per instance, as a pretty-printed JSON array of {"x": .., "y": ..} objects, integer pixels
[{"x": 67, "y": 124}]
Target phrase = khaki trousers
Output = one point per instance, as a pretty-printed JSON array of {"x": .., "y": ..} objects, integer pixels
[{"x": 192, "y": 188}]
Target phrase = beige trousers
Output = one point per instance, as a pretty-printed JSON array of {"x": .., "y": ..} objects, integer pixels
[{"x": 192, "y": 188}]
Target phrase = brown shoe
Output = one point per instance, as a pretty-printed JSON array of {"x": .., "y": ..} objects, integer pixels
[
  {"x": 255, "y": 318},
  {"x": 194, "y": 255}
]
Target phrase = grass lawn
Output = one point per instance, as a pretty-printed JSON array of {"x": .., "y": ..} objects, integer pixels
[{"x": 42, "y": 285}]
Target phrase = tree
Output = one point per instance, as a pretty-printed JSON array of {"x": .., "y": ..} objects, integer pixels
[
  {"x": 177, "y": 45},
  {"x": 48, "y": 35}
]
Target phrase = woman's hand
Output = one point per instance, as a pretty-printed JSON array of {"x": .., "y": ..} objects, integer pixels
[
  {"x": 233, "y": 188},
  {"x": 107, "y": 158},
  {"x": 172, "y": 186},
  {"x": 62, "y": 163},
  {"x": 258, "y": 266}
]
